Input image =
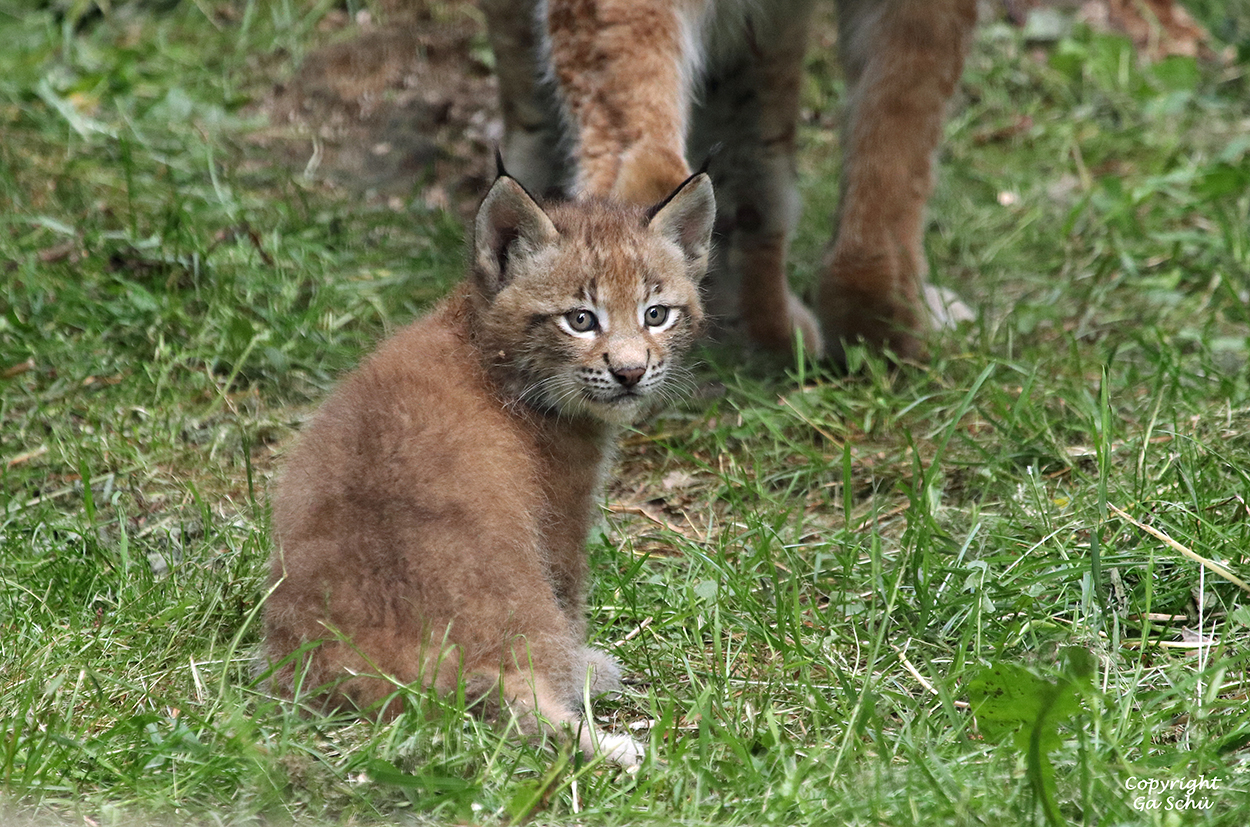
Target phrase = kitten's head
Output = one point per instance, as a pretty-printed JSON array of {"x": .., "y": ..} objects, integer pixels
[{"x": 587, "y": 308}]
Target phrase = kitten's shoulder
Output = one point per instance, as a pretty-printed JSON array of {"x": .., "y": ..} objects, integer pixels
[
  {"x": 423, "y": 373},
  {"x": 441, "y": 335}
]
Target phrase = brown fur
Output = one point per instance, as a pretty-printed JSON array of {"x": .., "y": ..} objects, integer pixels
[
  {"x": 645, "y": 84},
  {"x": 430, "y": 524}
]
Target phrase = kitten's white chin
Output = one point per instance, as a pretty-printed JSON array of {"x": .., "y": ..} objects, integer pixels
[{"x": 622, "y": 411}]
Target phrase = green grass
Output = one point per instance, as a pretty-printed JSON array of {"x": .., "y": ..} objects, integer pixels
[{"x": 808, "y": 579}]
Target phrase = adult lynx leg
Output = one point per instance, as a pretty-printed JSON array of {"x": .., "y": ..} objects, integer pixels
[
  {"x": 625, "y": 79},
  {"x": 532, "y": 151},
  {"x": 750, "y": 106},
  {"x": 902, "y": 60}
]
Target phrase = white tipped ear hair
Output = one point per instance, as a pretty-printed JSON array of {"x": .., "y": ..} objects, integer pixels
[
  {"x": 509, "y": 221},
  {"x": 686, "y": 218}
]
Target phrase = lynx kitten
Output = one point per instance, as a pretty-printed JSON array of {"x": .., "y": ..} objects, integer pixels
[{"x": 431, "y": 523}]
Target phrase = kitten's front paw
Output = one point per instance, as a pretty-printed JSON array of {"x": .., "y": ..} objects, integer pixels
[{"x": 621, "y": 750}]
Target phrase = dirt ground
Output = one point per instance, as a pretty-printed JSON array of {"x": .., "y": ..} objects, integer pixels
[{"x": 394, "y": 105}]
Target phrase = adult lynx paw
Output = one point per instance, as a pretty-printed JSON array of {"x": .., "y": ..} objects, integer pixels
[
  {"x": 776, "y": 327},
  {"x": 898, "y": 323},
  {"x": 803, "y": 323},
  {"x": 946, "y": 309}
]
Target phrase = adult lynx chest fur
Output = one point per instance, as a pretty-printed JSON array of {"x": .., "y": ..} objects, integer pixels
[{"x": 430, "y": 525}]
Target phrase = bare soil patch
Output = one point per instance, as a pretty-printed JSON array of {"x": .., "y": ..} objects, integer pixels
[{"x": 397, "y": 107}]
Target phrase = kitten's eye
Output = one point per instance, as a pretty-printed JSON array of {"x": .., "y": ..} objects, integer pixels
[
  {"x": 581, "y": 321},
  {"x": 656, "y": 315}
]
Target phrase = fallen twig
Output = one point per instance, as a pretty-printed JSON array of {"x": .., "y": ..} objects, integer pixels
[
  {"x": 27, "y": 456},
  {"x": 642, "y": 511},
  {"x": 1192, "y": 555},
  {"x": 915, "y": 673}
]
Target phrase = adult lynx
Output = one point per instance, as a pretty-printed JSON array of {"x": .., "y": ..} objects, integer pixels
[
  {"x": 642, "y": 85},
  {"x": 431, "y": 523}
]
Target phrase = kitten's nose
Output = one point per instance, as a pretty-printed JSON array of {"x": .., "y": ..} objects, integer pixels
[{"x": 628, "y": 377}]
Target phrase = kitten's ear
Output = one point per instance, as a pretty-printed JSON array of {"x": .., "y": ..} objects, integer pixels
[
  {"x": 508, "y": 222},
  {"x": 686, "y": 218}
]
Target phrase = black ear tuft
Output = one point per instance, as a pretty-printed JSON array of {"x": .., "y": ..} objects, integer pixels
[
  {"x": 686, "y": 219},
  {"x": 711, "y": 153},
  {"x": 500, "y": 172},
  {"x": 654, "y": 209},
  {"x": 509, "y": 220}
]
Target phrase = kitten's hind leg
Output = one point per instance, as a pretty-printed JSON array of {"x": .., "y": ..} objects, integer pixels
[
  {"x": 539, "y": 709},
  {"x": 600, "y": 673}
]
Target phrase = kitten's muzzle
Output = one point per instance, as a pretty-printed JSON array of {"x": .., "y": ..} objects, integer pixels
[{"x": 628, "y": 377}]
